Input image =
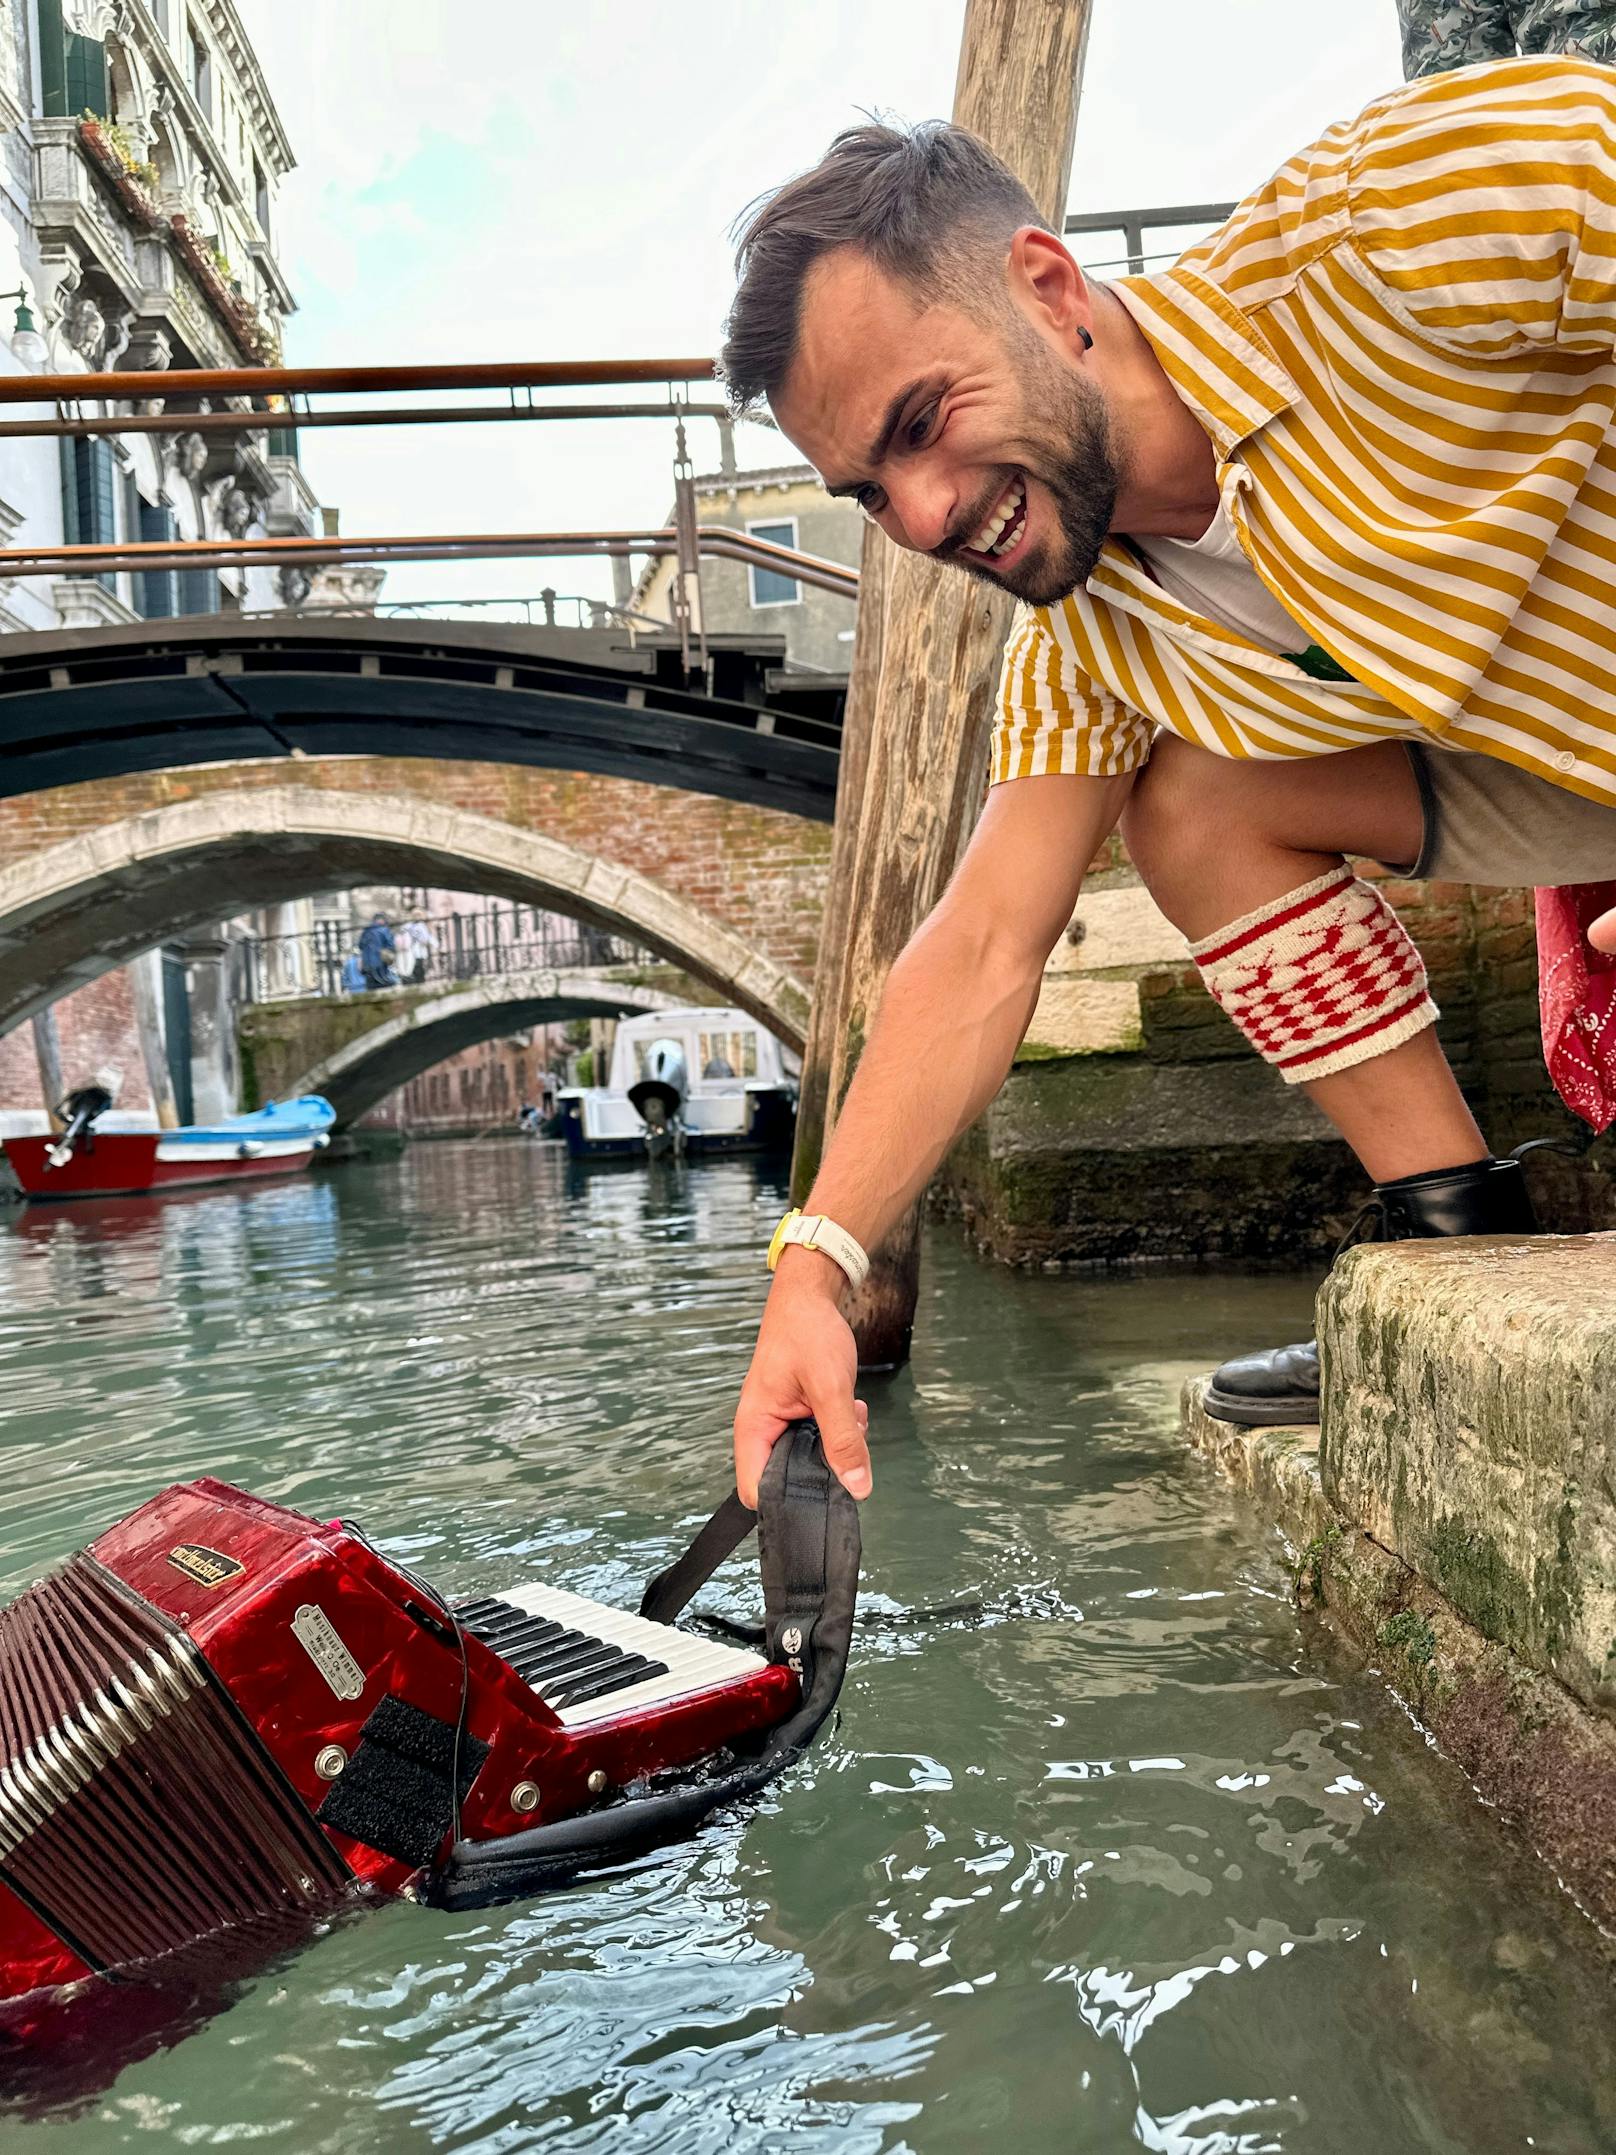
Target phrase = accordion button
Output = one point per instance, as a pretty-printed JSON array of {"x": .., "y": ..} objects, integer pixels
[
  {"x": 525, "y": 1796},
  {"x": 597, "y": 1782},
  {"x": 330, "y": 1762}
]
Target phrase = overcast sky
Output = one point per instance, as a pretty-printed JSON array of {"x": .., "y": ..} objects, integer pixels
[{"x": 490, "y": 179}]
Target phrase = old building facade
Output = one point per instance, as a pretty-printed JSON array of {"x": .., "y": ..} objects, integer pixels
[
  {"x": 141, "y": 158},
  {"x": 139, "y": 170},
  {"x": 786, "y": 505}
]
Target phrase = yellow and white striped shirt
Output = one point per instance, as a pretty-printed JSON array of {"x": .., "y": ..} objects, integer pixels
[{"x": 1402, "y": 350}]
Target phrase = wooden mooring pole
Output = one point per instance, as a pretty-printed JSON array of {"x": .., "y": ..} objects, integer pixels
[
  {"x": 48, "y": 1055},
  {"x": 925, "y": 665}
]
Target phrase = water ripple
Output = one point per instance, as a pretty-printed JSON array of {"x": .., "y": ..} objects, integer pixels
[{"x": 1108, "y": 1853}]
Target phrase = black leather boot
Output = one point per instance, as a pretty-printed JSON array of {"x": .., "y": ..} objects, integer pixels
[{"x": 1484, "y": 1197}]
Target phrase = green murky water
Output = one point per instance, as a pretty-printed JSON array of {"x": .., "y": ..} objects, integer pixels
[{"x": 1138, "y": 1862}]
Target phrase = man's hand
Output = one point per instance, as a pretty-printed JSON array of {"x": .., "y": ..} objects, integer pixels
[{"x": 805, "y": 1363}]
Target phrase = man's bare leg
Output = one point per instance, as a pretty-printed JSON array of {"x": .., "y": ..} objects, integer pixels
[{"x": 1215, "y": 839}]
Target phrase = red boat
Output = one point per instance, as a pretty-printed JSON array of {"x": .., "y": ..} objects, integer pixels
[{"x": 92, "y": 1161}]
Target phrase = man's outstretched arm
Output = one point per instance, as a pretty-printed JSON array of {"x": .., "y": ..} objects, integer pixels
[{"x": 956, "y": 1005}]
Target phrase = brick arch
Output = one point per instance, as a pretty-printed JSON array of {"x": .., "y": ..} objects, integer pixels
[
  {"x": 761, "y": 872},
  {"x": 81, "y": 907},
  {"x": 401, "y": 1045}
]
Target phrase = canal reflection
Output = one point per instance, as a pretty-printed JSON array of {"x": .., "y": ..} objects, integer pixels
[{"x": 1123, "y": 1856}]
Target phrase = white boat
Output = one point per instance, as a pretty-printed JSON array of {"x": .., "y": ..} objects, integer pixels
[{"x": 694, "y": 1080}]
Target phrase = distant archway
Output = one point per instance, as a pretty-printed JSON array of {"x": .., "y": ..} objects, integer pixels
[
  {"x": 365, "y": 1070},
  {"x": 81, "y": 908}
]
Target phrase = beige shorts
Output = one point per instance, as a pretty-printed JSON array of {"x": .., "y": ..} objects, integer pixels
[{"x": 1487, "y": 822}]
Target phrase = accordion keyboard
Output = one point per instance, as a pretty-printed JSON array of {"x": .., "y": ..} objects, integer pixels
[{"x": 588, "y": 1661}]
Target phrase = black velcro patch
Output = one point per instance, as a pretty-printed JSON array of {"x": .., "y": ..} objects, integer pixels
[{"x": 393, "y": 1794}]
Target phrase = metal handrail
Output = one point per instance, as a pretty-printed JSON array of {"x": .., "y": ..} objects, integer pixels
[
  {"x": 139, "y": 386},
  {"x": 485, "y": 944},
  {"x": 291, "y": 421},
  {"x": 156, "y": 554},
  {"x": 1134, "y": 224}
]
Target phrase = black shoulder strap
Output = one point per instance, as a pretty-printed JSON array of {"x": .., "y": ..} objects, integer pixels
[
  {"x": 670, "y": 1591},
  {"x": 808, "y": 1551}
]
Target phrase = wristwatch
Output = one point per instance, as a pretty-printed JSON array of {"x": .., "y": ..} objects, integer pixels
[{"x": 815, "y": 1232}]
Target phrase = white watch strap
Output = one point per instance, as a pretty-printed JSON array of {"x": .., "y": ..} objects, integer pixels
[{"x": 816, "y": 1232}]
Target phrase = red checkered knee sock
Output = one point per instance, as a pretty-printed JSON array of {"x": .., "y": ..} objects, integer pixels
[{"x": 1320, "y": 979}]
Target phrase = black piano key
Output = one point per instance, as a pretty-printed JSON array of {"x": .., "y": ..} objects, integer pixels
[
  {"x": 565, "y": 1666},
  {"x": 572, "y": 1668},
  {"x": 587, "y": 1661},
  {"x": 507, "y": 1639},
  {"x": 562, "y": 1642},
  {"x": 635, "y": 1670},
  {"x": 532, "y": 1646},
  {"x": 565, "y": 1685}
]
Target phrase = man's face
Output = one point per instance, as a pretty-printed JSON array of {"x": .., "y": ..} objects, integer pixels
[{"x": 981, "y": 442}]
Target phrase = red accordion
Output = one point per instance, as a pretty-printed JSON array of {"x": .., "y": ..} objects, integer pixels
[{"x": 223, "y": 1712}]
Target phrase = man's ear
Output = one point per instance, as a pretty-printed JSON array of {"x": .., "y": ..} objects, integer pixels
[{"x": 1049, "y": 286}]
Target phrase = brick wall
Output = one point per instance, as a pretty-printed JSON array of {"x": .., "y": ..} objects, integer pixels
[
  {"x": 97, "y": 1028},
  {"x": 482, "y": 1088}
]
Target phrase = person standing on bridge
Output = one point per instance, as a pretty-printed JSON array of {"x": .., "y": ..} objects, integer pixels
[
  {"x": 377, "y": 950},
  {"x": 417, "y": 945},
  {"x": 1315, "y": 533}
]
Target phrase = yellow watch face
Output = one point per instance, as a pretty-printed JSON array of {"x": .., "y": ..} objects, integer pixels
[{"x": 779, "y": 1241}]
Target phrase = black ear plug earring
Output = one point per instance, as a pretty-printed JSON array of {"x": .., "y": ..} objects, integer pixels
[{"x": 1088, "y": 341}]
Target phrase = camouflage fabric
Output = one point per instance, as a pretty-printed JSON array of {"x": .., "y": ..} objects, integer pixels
[{"x": 1439, "y": 34}]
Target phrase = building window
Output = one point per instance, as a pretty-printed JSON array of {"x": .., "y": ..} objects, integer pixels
[
  {"x": 89, "y": 496},
  {"x": 201, "y": 70},
  {"x": 87, "y": 75},
  {"x": 159, "y": 10},
  {"x": 200, "y": 591},
  {"x": 769, "y": 587},
  {"x": 157, "y": 590},
  {"x": 260, "y": 197}
]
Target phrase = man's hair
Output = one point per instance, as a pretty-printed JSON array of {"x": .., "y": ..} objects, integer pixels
[{"x": 929, "y": 204}]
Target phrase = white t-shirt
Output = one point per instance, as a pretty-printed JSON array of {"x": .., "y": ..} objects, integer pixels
[{"x": 1212, "y": 576}]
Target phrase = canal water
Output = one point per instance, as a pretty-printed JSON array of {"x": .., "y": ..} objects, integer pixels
[{"x": 1134, "y": 1860}]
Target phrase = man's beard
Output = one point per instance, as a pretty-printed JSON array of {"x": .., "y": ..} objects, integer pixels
[{"x": 1071, "y": 456}]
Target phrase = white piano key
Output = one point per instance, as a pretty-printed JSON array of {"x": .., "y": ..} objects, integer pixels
[{"x": 693, "y": 1664}]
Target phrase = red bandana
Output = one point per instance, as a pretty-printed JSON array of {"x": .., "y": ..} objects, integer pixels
[{"x": 1577, "y": 992}]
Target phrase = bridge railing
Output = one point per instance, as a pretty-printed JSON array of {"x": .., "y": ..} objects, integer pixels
[{"x": 496, "y": 939}]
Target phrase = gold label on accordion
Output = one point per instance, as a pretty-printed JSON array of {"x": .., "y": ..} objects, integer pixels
[
  {"x": 208, "y": 1567},
  {"x": 317, "y": 1635}
]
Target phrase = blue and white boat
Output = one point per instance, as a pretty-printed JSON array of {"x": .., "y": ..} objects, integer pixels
[{"x": 100, "y": 1155}]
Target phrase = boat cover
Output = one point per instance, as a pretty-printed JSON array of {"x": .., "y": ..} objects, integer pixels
[{"x": 305, "y": 1117}]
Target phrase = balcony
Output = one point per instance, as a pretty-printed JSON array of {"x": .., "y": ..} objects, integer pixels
[{"x": 108, "y": 241}]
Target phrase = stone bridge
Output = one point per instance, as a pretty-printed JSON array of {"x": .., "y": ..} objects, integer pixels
[
  {"x": 90, "y": 874},
  {"x": 357, "y": 1049}
]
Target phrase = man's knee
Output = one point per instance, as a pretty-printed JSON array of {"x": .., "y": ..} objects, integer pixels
[{"x": 1177, "y": 817}]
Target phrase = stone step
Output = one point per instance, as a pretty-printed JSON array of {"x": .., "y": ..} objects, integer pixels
[
  {"x": 1469, "y": 1425},
  {"x": 1089, "y": 1003}
]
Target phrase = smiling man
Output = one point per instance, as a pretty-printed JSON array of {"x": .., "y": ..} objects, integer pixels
[{"x": 1315, "y": 533}]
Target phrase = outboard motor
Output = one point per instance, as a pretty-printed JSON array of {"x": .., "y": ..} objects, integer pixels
[
  {"x": 659, "y": 1097},
  {"x": 79, "y": 1111}
]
